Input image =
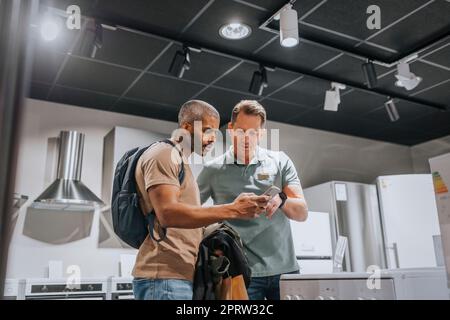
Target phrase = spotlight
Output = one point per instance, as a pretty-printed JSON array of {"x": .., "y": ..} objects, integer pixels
[
  {"x": 405, "y": 78},
  {"x": 259, "y": 81},
  {"x": 288, "y": 27},
  {"x": 50, "y": 27},
  {"x": 333, "y": 97},
  {"x": 92, "y": 39},
  {"x": 392, "y": 110},
  {"x": 98, "y": 39},
  {"x": 180, "y": 63},
  {"x": 370, "y": 74}
]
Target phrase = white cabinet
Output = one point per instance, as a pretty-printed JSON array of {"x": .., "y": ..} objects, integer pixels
[{"x": 312, "y": 243}]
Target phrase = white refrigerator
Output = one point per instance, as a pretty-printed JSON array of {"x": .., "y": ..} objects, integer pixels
[
  {"x": 354, "y": 214},
  {"x": 392, "y": 223},
  {"x": 409, "y": 221}
]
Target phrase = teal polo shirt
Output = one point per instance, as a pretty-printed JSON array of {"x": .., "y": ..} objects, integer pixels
[{"x": 267, "y": 243}]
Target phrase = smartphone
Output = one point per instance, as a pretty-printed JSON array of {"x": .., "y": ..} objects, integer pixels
[{"x": 272, "y": 191}]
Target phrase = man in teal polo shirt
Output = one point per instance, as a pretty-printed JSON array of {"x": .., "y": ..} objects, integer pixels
[{"x": 247, "y": 167}]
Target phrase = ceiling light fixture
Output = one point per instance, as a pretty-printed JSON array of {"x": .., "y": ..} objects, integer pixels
[
  {"x": 50, "y": 27},
  {"x": 333, "y": 97},
  {"x": 92, "y": 39},
  {"x": 288, "y": 27},
  {"x": 98, "y": 39},
  {"x": 392, "y": 110},
  {"x": 370, "y": 74},
  {"x": 405, "y": 78},
  {"x": 180, "y": 63},
  {"x": 235, "y": 31},
  {"x": 259, "y": 81}
]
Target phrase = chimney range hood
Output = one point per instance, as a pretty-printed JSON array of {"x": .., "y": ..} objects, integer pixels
[{"x": 67, "y": 192}]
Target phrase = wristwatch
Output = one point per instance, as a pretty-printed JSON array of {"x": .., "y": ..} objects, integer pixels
[{"x": 283, "y": 197}]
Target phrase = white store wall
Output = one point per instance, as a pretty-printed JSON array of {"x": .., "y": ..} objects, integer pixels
[
  {"x": 318, "y": 155},
  {"x": 321, "y": 156},
  {"x": 42, "y": 120}
]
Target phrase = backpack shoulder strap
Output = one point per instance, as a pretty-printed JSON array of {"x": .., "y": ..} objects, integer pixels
[
  {"x": 181, "y": 173},
  {"x": 132, "y": 158},
  {"x": 151, "y": 216}
]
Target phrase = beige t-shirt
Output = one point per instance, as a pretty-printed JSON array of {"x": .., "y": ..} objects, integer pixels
[{"x": 175, "y": 256}]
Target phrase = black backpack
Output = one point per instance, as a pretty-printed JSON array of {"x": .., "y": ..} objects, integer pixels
[{"x": 130, "y": 224}]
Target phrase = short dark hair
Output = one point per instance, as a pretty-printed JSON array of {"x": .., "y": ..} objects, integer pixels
[
  {"x": 196, "y": 110},
  {"x": 250, "y": 107}
]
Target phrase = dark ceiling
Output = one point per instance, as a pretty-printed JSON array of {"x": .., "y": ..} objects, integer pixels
[{"x": 130, "y": 72}]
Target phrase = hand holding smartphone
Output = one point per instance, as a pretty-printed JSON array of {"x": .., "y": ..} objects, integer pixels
[{"x": 272, "y": 192}]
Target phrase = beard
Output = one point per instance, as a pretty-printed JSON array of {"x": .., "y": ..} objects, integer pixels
[
  {"x": 207, "y": 148},
  {"x": 199, "y": 147}
]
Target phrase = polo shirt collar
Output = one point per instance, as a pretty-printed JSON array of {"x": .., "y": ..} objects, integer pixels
[{"x": 260, "y": 156}]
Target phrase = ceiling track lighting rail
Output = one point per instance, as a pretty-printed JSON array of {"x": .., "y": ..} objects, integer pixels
[
  {"x": 124, "y": 24},
  {"x": 376, "y": 60},
  {"x": 405, "y": 78}
]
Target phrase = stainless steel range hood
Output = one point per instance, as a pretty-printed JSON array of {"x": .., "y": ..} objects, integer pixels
[{"x": 67, "y": 192}]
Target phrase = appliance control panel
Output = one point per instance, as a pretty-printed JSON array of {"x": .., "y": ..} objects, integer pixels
[
  {"x": 127, "y": 286},
  {"x": 121, "y": 288},
  {"x": 64, "y": 289},
  {"x": 337, "y": 289}
]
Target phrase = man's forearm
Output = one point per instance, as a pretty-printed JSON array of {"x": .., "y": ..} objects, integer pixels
[
  {"x": 295, "y": 209},
  {"x": 190, "y": 217}
]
